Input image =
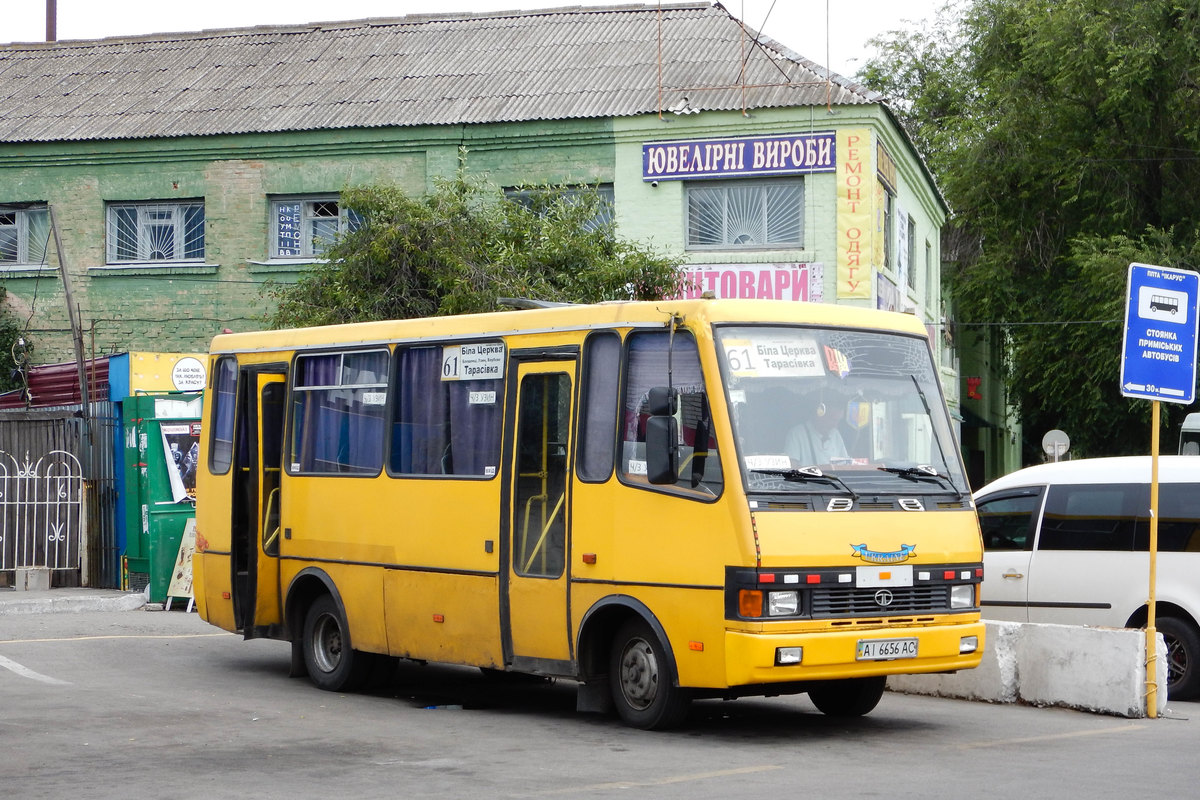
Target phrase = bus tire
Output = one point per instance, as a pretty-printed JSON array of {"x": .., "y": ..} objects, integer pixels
[
  {"x": 849, "y": 697},
  {"x": 331, "y": 664},
  {"x": 642, "y": 680},
  {"x": 1183, "y": 657}
]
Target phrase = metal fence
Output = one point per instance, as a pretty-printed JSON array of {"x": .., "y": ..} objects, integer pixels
[{"x": 58, "y": 492}]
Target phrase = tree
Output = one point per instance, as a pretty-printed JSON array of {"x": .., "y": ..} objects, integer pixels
[
  {"x": 1066, "y": 136},
  {"x": 14, "y": 346},
  {"x": 461, "y": 248}
]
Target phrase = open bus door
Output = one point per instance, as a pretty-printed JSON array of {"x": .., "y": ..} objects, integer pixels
[
  {"x": 256, "y": 532},
  {"x": 534, "y": 605}
]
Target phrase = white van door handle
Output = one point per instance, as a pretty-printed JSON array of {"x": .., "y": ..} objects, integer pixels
[{"x": 1013, "y": 574}]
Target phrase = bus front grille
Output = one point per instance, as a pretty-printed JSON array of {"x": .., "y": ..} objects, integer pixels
[{"x": 853, "y": 601}]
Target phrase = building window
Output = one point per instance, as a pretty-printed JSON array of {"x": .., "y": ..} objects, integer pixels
[
  {"x": 538, "y": 200},
  {"x": 305, "y": 227},
  {"x": 155, "y": 232},
  {"x": 910, "y": 247},
  {"x": 745, "y": 214},
  {"x": 887, "y": 207},
  {"x": 23, "y": 235}
]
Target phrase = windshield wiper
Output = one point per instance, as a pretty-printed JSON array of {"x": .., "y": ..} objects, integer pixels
[
  {"x": 806, "y": 474},
  {"x": 923, "y": 472}
]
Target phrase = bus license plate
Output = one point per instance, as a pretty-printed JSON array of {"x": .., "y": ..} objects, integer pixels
[{"x": 886, "y": 649}]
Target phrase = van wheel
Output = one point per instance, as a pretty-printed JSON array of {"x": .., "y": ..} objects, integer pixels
[
  {"x": 1183, "y": 657},
  {"x": 331, "y": 664},
  {"x": 849, "y": 697},
  {"x": 642, "y": 680}
]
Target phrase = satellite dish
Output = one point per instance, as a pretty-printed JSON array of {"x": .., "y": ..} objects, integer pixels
[{"x": 1056, "y": 443}]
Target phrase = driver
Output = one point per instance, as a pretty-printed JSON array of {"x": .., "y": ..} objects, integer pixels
[{"x": 817, "y": 440}]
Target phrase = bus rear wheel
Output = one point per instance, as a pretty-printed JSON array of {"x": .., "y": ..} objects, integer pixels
[
  {"x": 331, "y": 664},
  {"x": 642, "y": 680},
  {"x": 849, "y": 697}
]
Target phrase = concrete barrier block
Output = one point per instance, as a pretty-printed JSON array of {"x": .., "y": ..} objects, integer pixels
[
  {"x": 1102, "y": 670},
  {"x": 33, "y": 579},
  {"x": 993, "y": 681},
  {"x": 1092, "y": 669}
]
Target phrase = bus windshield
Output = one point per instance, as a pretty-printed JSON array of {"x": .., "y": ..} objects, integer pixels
[{"x": 836, "y": 411}]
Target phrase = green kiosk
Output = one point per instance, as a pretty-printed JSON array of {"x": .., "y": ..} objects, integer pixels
[{"x": 161, "y": 435}]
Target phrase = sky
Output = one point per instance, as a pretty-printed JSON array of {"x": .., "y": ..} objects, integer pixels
[{"x": 798, "y": 24}]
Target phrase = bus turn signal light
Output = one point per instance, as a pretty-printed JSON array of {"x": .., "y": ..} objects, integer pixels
[{"x": 750, "y": 603}]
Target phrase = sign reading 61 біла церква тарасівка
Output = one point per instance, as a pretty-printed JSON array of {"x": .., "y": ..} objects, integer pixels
[{"x": 1158, "y": 361}]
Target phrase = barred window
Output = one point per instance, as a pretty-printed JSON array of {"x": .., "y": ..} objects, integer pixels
[
  {"x": 24, "y": 232},
  {"x": 540, "y": 199},
  {"x": 155, "y": 232},
  {"x": 305, "y": 227},
  {"x": 745, "y": 214}
]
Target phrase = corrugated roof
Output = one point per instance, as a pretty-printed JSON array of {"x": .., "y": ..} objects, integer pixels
[{"x": 577, "y": 62}]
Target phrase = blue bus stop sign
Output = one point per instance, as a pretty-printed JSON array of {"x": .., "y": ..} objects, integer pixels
[{"x": 1159, "y": 357}]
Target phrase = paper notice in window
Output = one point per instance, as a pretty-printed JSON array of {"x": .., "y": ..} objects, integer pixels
[
  {"x": 473, "y": 362},
  {"x": 773, "y": 356}
]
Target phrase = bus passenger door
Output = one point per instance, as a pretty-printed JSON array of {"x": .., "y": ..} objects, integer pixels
[
  {"x": 257, "y": 499},
  {"x": 534, "y": 596}
]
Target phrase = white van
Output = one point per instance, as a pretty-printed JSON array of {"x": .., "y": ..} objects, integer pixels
[{"x": 1068, "y": 543}]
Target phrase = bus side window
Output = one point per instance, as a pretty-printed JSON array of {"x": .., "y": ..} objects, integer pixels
[
  {"x": 1007, "y": 522},
  {"x": 646, "y": 368},
  {"x": 598, "y": 411},
  {"x": 224, "y": 401},
  {"x": 337, "y": 412},
  {"x": 439, "y": 426}
]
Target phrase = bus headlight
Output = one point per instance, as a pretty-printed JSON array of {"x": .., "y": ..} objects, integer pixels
[
  {"x": 962, "y": 596},
  {"x": 783, "y": 604},
  {"x": 788, "y": 655}
]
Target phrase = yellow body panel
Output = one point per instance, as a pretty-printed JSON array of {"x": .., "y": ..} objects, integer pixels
[{"x": 447, "y": 618}]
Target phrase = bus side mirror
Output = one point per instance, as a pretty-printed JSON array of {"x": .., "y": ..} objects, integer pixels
[{"x": 662, "y": 436}]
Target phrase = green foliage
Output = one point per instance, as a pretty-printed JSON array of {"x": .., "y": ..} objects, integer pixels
[
  {"x": 464, "y": 246},
  {"x": 1065, "y": 135},
  {"x": 10, "y": 349}
]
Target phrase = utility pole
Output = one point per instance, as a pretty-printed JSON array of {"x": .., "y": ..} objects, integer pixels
[{"x": 76, "y": 329}]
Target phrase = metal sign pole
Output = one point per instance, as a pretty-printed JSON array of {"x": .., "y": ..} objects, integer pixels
[{"x": 1151, "y": 632}]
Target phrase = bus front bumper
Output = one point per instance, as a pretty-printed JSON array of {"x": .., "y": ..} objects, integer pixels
[{"x": 755, "y": 658}]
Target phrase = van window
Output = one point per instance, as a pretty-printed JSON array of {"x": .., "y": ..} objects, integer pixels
[
  {"x": 1093, "y": 516},
  {"x": 1178, "y": 519},
  {"x": 1007, "y": 522}
]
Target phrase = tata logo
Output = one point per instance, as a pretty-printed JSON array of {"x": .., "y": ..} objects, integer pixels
[
  {"x": 883, "y": 598},
  {"x": 880, "y": 557}
]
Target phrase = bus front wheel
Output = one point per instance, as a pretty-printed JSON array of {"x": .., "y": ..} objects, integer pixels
[
  {"x": 331, "y": 664},
  {"x": 642, "y": 680},
  {"x": 849, "y": 697}
]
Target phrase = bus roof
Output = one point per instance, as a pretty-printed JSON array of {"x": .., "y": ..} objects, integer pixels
[{"x": 568, "y": 317}]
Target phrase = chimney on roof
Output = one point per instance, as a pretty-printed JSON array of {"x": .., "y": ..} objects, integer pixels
[{"x": 51, "y": 20}]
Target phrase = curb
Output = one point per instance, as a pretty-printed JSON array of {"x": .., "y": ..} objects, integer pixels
[{"x": 44, "y": 605}]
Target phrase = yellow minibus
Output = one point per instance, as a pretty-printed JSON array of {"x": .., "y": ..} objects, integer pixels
[{"x": 658, "y": 500}]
